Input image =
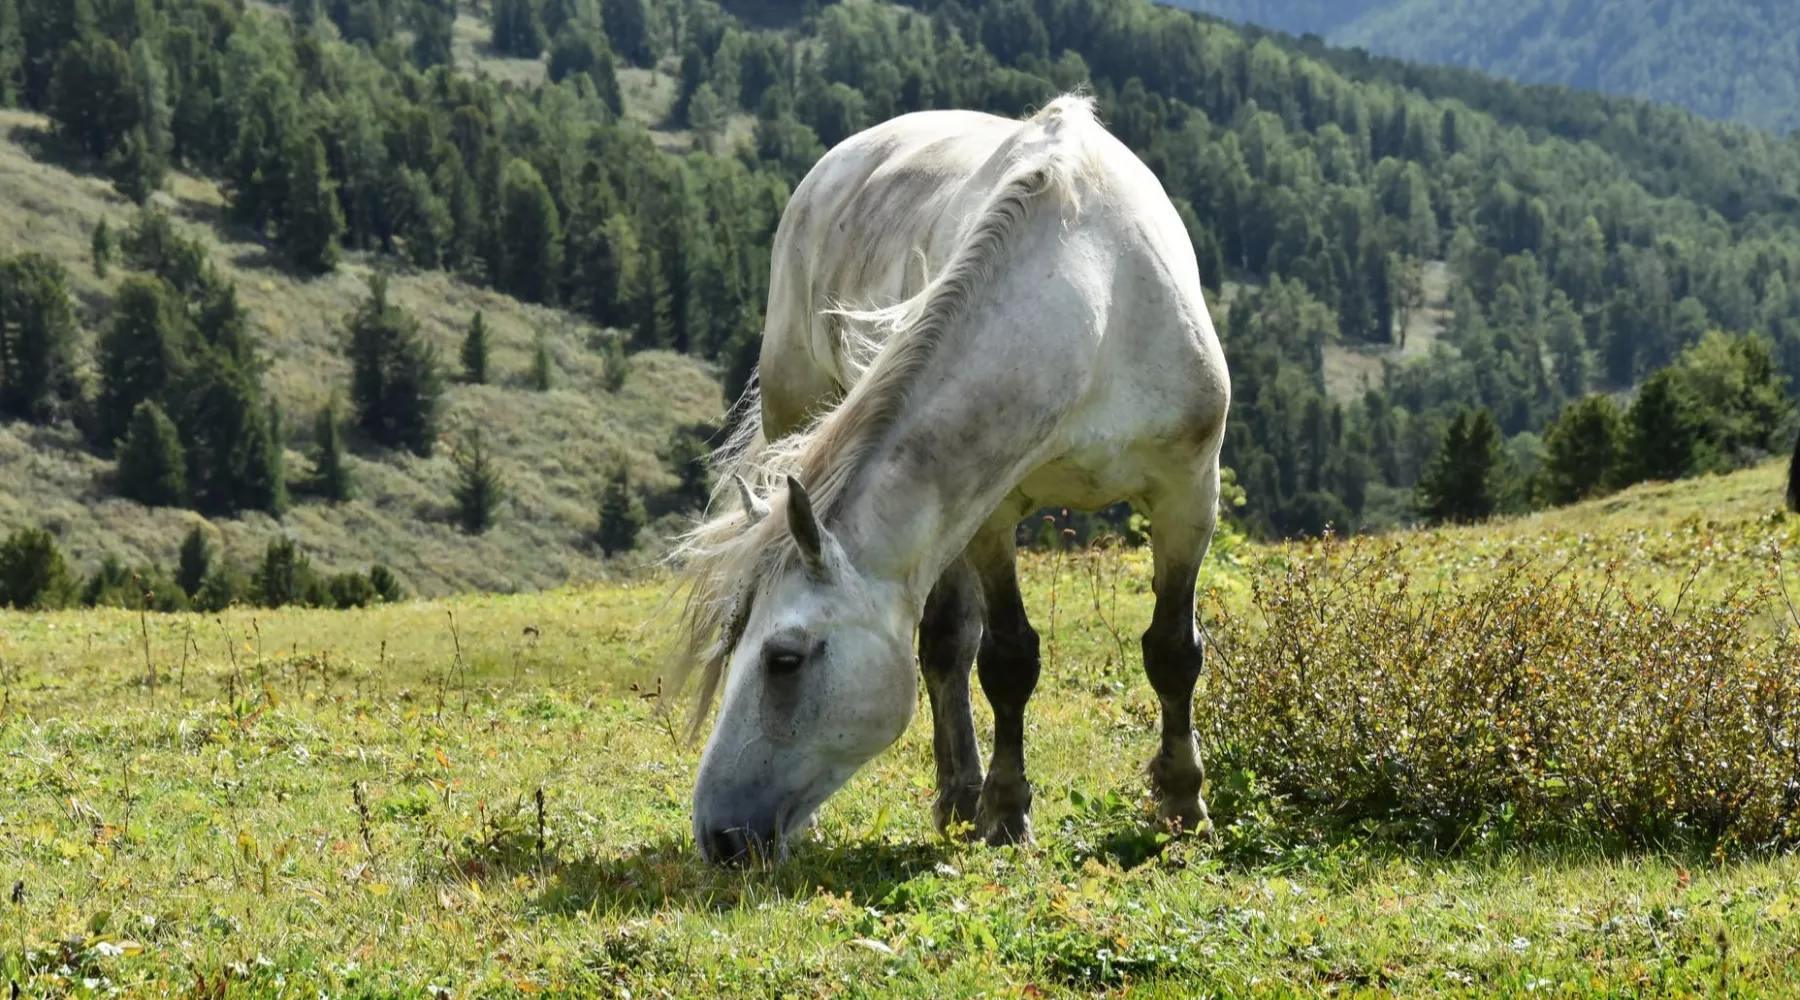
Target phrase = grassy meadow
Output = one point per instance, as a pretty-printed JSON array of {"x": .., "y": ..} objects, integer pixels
[{"x": 477, "y": 796}]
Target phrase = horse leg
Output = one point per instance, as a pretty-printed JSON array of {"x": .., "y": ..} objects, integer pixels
[
  {"x": 1008, "y": 666},
  {"x": 949, "y": 634},
  {"x": 1181, "y": 526}
]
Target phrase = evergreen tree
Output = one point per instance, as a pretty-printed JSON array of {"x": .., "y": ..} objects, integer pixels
[
  {"x": 12, "y": 55},
  {"x": 233, "y": 440},
  {"x": 331, "y": 469},
  {"x": 618, "y": 363},
  {"x": 195, "y": 561},
  {"x": 475, "y": 352},
  {"x": 1660, "y": 432},
  {"x": 33, "y": 575},
  {"x": 94, "y": 100},
  {"x": 628, "y": 28},
  {"x": 622, "y": 514},
  {"x": 479, "y": 488},
  {"x": 141, "y": 355},
  {"x": 1793, "y": 484},
  {"x": 517, "y": 29},
  {"x": 687, "y": 454},
  {"x": 1583, "y": 450},
  {"x": 102, "y": 245},
  {"x": 386, "y": 584},
  {"x": 284, "y": 577},
  {"x": 152, "y": 464},
  {"x": 313, "y": 220},
  {"x": 1462, "y": 483},
  {"x": 543, "y": 367},
  {"x": 395, "y": 382},
  {"x": 434, "y": 33},
  {"x": 530, "y": 235},
  {"x": 37, "y": 336}
]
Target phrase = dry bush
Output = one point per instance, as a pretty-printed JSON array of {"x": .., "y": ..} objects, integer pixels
[{"x": 1521, "y": 706}]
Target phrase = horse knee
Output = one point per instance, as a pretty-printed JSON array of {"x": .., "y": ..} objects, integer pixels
[
  {"x": 1010, "y": 661},
  {"x": 1173, "y": 660}
]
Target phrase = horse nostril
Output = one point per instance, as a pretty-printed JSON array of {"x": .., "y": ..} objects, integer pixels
[{"x": 728, "y": 846}]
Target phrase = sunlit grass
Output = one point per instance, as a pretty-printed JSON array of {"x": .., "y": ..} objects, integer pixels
[{"x": 350, "y": 803}]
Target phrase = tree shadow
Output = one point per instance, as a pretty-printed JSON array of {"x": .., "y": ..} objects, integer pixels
[{"x": 45, "y": 146}]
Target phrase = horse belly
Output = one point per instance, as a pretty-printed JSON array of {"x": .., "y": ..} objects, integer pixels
[{"x": 1087, "y": 479}]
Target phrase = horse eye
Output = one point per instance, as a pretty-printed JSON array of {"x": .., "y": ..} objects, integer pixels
[{"x": 782, "y": 662}]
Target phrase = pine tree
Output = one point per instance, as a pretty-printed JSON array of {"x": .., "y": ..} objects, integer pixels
[
  {"x": 618, "y": 363},
  {"x": 1793, "y": 486},
  {"x": 152, "y": 463},
  {"x": 37, "y": 335},
  {"x": 395, "y": 383},
  {"x": 386, "y": 584},
  {"x": 285, "y": 576},
  {"x": 233, "y": 441},
  {"x": 687, "y": 455},
  {"x": 331, "y": 470},
  {"x": 622, "y": 514},
  {"x": 33, "y": 575},
  {"x": 530, "y": 235},
  {"x": 543, "y": 367},
  {"x": 93, "y": 97},
  {"x": 517, "y": 30},
  {"x": 1461, "y": 483},
  {"x": 103, "y": 249},
  {"x": 1660, "y": 432},
  {"x": 1583, "y": 450},
  {"x": 475, "y": 351},
  {"x": 434, "y": 33},
  {"x": 195, "y": 562},
  {"x": 479, "y": 488},
  {"x": 313, "y": 220},
  {"x": 141, "y": 356},
  {"x": 12, "y": 55}
]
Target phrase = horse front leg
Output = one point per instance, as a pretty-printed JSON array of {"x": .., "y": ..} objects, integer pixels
[
  {"x": 949, "y": 635},
  {"x": 1008, "y": 665}
]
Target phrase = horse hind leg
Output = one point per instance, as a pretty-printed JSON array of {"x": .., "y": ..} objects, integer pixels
[
  {"x": 949, "y": 635},
  {"x": 1181, "y": 525}
]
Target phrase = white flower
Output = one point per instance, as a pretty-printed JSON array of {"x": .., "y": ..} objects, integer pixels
[
  {"x": 1521, "y": 944},
  {"x": 106, "y": 949}
]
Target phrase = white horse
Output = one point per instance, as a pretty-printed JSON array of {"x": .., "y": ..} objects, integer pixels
[{"x": 1050, "y": 347}]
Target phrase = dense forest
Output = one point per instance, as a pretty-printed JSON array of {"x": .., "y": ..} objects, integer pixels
[
  {"x": 1726, "y": 59},
  {"x": 1593, "y": 245}
]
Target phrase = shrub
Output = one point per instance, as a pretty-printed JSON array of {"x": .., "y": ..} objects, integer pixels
[
  {"x": 218, "y": 590},
  {"x": 351, "y": 590},
  {"x": 33, "y": 575},
  {"x": 285, "y": 577},
  {"x": 1523, "y": 708},
  {"x": 386, "y": 584}
]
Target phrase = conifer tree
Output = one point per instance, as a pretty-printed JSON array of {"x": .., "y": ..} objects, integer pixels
[
  {"x": 141, "y": 355},
  {"x": 622, "y": 514},
  {"x": 395, "y": 383},
  {"x": 618, "y": 363},
  {"x": 517, "y": 30},
  {"x": 233, "y": 440},
  {"x": 37, "y": 335},
  {"x": 331, "y": 469},
  {"x": 194, "y": 563},
  {"x": 434, "y": 33},
  {"x": 475, "y": 352},
  {"x": 543, "y": 367},
  {"x": 1660, "y": 431},
  {"x": 313, "y": 220},
  {"x": 152, "y": 463},
  {"x": 479, "y": 488},
  {"x": 1583, "y": 450},
  {"x": 284, "y": 577},
  {"x": 102, "y": 245},
  {"x": 530, "y": 235},
  {"x": 1461, "y": 484},
  {"x": 33, "y": 574},
  {"x": 1793, "y": 486}
]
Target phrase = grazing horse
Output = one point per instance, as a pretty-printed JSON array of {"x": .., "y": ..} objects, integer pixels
[{"x": 969, "y": 318}]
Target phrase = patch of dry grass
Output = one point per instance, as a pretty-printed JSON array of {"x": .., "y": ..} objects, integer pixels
[{"x": 555, "y": 448}]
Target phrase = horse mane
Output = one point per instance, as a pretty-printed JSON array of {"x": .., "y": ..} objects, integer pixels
[{"x": 726, "y": 559}]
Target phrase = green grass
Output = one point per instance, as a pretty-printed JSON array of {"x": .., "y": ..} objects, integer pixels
[{"x": 206, "y": 838}]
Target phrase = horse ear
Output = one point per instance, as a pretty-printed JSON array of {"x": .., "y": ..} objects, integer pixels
[
  {"x": 805, "y": 526},
  {"x": 754, "y": 508}
]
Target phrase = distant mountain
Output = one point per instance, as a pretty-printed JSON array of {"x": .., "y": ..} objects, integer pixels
[{"x": 1736, "y": 60}]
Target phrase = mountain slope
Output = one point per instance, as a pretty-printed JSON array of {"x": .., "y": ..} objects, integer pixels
[
  {"x": 1737, "y": 61},
  {"x": 554, "y": 448}
]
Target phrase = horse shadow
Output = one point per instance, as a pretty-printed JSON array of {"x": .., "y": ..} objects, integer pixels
[{"x": 669, "y": 874}]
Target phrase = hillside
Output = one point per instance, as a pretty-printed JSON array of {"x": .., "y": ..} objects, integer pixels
[
  {"x": 554, "y": 448},
  {"x": 1734, "y": 61}
]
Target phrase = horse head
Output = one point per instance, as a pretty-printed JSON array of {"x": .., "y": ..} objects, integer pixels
[{"x": 820, "y": 680}]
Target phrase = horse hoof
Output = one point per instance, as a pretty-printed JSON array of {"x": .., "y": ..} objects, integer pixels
[
  {"x": 1006, "y": 830},
  {"x": 959, "y": 810}
]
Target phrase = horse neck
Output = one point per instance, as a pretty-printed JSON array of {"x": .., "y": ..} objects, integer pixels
[{"x": 972, "y": 427}]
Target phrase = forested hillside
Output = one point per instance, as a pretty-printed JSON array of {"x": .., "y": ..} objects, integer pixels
[
  {"x": 1735, "y": 60},
  {"x": 621, "y": 165}
]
